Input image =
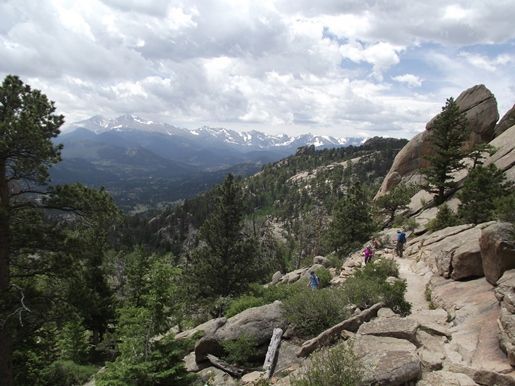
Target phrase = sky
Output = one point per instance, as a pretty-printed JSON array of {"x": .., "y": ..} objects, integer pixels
[{"x": 333, "y": 67}]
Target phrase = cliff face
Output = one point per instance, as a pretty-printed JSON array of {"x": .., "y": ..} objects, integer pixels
[{"x": 480, "y": 108}]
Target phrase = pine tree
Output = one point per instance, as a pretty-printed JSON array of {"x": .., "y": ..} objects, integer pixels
[
  {"x": 448, "y": 132},
  {"x": 352, "y": 222},
  {"x": 226, "y": 262},
  {"x": 398, "y": 198},
  {"x": 482, "y": 187},
  {"x": 445, "y": 217}
]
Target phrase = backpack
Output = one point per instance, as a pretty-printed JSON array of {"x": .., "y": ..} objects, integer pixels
[{"x": 402, "y": 237}]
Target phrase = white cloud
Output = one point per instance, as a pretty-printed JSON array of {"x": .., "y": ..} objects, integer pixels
[
  {"x": 410, "y": 79},
  {"x": 332, "y": 67}
]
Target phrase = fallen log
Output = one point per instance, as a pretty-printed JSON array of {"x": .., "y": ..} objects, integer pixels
[
  {"x": 330, "y": 335},
  {"x": 224, "y": 366},
  {"x": 271, "y": 353}
]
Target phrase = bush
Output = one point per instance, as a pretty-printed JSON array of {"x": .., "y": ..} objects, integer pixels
[
  {"x": 313, "y": 311},
  {"x": 368, "y": 286},
  {"x": 243, "y": 351},
  {"x": 243, "y": 302},
  {"x": 444, "y": 218},
  {"x": 337, "y": 366},
  {"x": 505, "y": 208},
  {"x": 68, "y": 373},
  {"x": 324, "y": 276}
]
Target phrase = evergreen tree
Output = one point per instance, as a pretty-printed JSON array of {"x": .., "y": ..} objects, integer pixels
[
  {"x": 445, "y": 217},
  {"x": 40, "y": 264},
  {"x": 352, "y": 222},
  {"x": 482, "y": 187},
  {"x": 448, "y": 132},
  {"x": 226, "y": 261},
  {"x": 398, "y": 198}
]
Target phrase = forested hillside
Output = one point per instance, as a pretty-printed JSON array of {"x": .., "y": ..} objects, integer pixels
[{"x": 295, "y": 192}]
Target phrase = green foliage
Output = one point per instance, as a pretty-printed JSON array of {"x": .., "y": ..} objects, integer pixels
[
  {"x": 161, "y": 366},
  {"x": 447, "y": 135},
  {"x": 445, "y": 217},
  {"x": 479, "y": 152},
  {"x": 68, "y": 373},
  {"x": 336, "y": 366},
  {"x": 324, "y": 276},
  {"x": 505, "y": 208},
  {"x": 352, "y": 222},
  {"x": 227, "y": 260},
  {"x": 481, "y": 188},
  {"x": 368, "y": 286},
  {"x": 242, "y": 351},
  {"x": 313, "y": 311},
  {"x": 73, "y": 342},
  {"x": 242, "y": 303},
  {"x": 396, "y": 199}
]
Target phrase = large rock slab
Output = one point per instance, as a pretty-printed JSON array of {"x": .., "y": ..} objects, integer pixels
[
  {"x": 505, "y": 293},
  {"x": 504, "y": 157},
  {"x": 480, "y": 108},
  {"x": 446, "y": 378},
  {"x": 507, "y": 121},
  {"x": 206, "y": 328},
  {"x": 257, "y": 323},
  {"x": 497, "y": 244},
  {"x": 453, "y": 252},
  {"x": 395, "y": 327},
  {"x": 216, "y": 377},
  {"x": 387, "y": 361},
  {"x": 475, "y": 310}
]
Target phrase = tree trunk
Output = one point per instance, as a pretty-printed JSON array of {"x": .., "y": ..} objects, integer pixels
[{"x": 6, "y": 374}]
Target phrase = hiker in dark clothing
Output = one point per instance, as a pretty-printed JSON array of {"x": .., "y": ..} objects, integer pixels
[{"x": 401, "y": 240}]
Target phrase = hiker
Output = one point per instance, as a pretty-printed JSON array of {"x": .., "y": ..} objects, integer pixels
[
  {"x": 401, "y": 240},
  {"x": 368, "y": 252},
  {"x": 314, "y": 281}
]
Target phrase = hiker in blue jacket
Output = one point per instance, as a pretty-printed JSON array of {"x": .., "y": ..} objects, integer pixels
[
  {"x": 401, "y": 240},
  {"x": 314, "y": 281}
]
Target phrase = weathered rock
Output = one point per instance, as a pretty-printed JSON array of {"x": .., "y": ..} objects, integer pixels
[
  {"x": 287, "y": 357},
  {"x": 276, "y": 277},
  {"x": 431, "y": 352},
  {"x": 445, "y": 378},
  {"x": 387, "y": 361},
  {"x": 474, "y": 334},
  {"x": 256, "y": 322},
  {"x": 505, "y": 293},
  {"x": 322, "y": 261},
  {"x": 331, "y": 334},
  {"x": 206, "y": 328},
  {"x": 453, "y": 252},
  {"x": 504, "y": 157},
  {"x": 216, "y": 377},
  {"x": 386, "y": 313},
  {"x": 394, "y": 327},
  {"x": 480, "y": 108},
  {"x": 497, "y": 244},
  {"x": 507, "y": 121},
  {"x": 251, "y": 378}
]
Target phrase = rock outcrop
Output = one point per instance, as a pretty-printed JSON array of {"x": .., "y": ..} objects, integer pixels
[
  {"x": 257, "y": 323},
  {"x": 497, "y": 250},
  {"x": 480, "y": 108},
  {"x": 505, "y": 293},
  {"x": 507, "y": 121}
]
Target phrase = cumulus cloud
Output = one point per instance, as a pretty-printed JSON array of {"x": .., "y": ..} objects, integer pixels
[
  {"x": 410, "y": 79},
  {"x": 337, "y": 67}
]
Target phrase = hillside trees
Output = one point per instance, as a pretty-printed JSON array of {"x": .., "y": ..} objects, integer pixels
[
  {"x": 352, "y": 222},
  {"x": 50, "y": 238},
  {"x": 448, "y": 132},
  {"x": 398, "y": 198},
  {"x": 225, "y": 263}
]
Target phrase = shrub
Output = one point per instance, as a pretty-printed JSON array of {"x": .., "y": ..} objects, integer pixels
[
  {"x": 243, "y": 351},
  {"x": 68, "y": 373},
  {"x": 368, "y": 286},
  {"x": 242, "y": 303},
  {"x": 444, "y": 218},
  {"x": 324, "y": 276},
  {"x": 505, "y": 208},
  {"x": 337, "y": 366},
  {"x": 313, "y": 311}
]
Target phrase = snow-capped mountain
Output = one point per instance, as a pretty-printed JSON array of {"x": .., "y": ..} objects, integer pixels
[{"x": 246, "y": 140}]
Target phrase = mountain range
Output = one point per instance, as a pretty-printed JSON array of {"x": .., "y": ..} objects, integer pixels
[{"x": 145, "y": 162}]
